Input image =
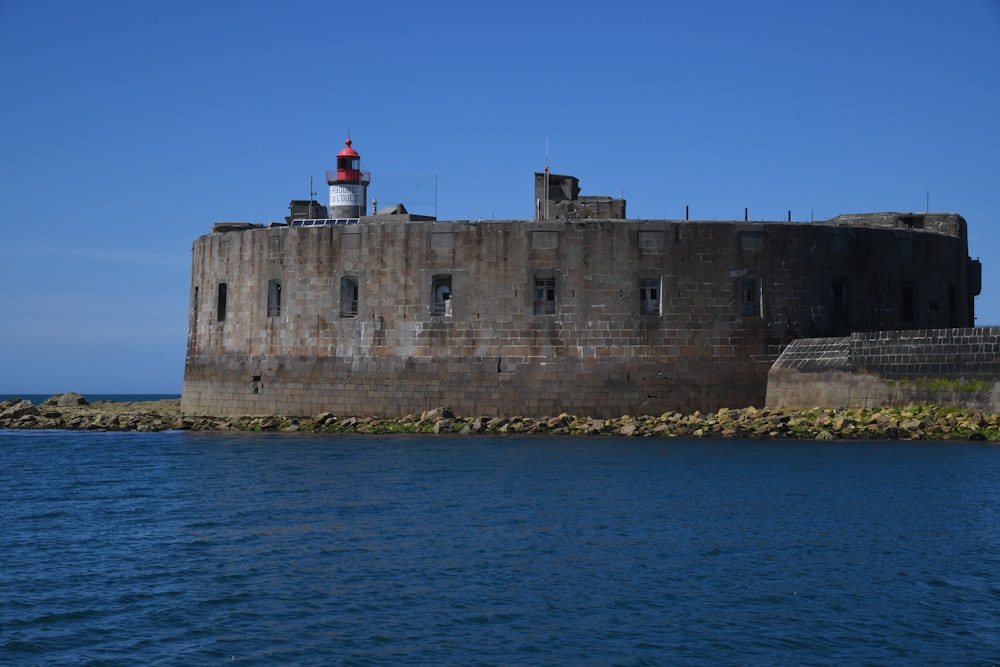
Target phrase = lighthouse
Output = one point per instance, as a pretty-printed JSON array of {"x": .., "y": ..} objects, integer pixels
[{"x": 348, "y": 185}]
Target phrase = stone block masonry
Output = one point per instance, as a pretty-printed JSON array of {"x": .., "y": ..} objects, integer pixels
[
  {"x": 598, "y": 317},
  {"x": 953, "y": 367}
]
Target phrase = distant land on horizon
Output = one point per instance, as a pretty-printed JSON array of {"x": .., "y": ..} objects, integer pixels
[{"x": 37, "y": 398}]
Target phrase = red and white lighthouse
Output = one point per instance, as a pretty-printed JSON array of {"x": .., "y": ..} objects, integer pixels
[{"x": 348, "y": 185}]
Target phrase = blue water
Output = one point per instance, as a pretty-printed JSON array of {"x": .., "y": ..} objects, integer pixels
[{"x": 196, "y": 548}]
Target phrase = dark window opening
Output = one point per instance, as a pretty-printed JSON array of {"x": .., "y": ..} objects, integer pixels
[
  {"x": 349, "y": 296},
  {"x": 909, "y": 303},
  {"x": 545, "y": 294},
  {"x": 839, "y": 291},
  {"x": 220, "y": 310},
  {"x": 750, "y": 297},
  {"x": 441, "y": 290},
  {"x": 649, "y": 296},
  {"x": 273, "y": 298},
  {"x": 194, "y": 303},
  {"x": 350, "y": 163}
]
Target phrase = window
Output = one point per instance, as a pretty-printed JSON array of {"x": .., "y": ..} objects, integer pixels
[
  {"x": 649, "y": 296},
  {"x": 839, "y": 290},
  {"x": 194, "y": 304},
  {"x": 750, "y": 297},
  {"x": 349, "y": 296},
  {"x": 441, "y": 291},
  {"x": 273, "y": 298},
  {"x": 220, "y": 310},
  {"x": 909, "y": 303},
  {"x": 545, "y": 294},
  {"x": 751, "y": 240}
]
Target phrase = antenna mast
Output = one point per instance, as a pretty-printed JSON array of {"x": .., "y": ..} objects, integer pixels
[
  {"x": 545, "y": 186},
  {"x": 312, "y": 196}
]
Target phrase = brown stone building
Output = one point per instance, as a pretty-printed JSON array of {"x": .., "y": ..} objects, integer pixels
[{"x": 598, "y": 317}]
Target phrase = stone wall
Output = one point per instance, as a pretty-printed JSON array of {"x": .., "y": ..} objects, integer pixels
[
  {"x": 954, "y": 367},
  {"x": 598, "y": 318}
]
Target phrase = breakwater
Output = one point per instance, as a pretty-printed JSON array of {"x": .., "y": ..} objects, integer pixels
[{"x": 73, "y": 412}]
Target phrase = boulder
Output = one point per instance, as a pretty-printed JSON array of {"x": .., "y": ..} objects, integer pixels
[
  {"x": 16, "y": 409},
  {"x": 437, "y": 414},
  {"x": 67, "y": 399}
]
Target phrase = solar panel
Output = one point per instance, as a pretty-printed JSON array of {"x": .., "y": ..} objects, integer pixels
[{"x": 318, "y": 222}]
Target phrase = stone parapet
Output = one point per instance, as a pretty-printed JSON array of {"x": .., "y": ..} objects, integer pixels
[{"x": 957, "y": 366}]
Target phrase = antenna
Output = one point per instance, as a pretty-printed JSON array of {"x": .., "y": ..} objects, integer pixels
[
  {"x": 545, "y": 185},
  {"x": 312, "y": 195}
]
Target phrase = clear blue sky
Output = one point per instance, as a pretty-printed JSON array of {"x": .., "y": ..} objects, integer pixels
[{"x": 129, "y": 128}]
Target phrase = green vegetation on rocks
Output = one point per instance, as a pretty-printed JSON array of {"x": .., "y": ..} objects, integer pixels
[{"x": 71, "y": 411}]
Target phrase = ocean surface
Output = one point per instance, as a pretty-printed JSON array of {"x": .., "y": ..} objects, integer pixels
[{"x": 182, "y": 548}]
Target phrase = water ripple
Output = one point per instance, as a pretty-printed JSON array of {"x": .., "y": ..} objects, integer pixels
[{"x": 179, "y": 548}]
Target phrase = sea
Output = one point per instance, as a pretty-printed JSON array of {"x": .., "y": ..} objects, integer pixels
[{"x": 202, "y": 548}]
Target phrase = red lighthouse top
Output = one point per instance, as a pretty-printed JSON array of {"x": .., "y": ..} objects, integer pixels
[{"x": 348, "y": 167}]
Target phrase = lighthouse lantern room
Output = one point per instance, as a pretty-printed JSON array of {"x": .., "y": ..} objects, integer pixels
[{"x": 348, "y": 185}]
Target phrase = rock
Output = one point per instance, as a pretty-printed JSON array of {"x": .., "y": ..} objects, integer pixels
[
  {"x": 324, "y": 418},
  {"x": 558, "y": 422},
  {"x": 436, "y": 414},
  {"x": 16, "y": 409},
  {"x": 444, "y": 426},
  {"x": 67, "y": 399}
]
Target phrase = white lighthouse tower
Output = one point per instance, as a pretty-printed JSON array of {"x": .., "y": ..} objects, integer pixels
[{"x": 348, "y": 185}]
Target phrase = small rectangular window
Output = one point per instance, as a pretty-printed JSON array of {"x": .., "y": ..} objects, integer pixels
[
  {"x": 750, "y": 297},
  {"x": 545, "y": 294},
  {"x": 909, "y": 303},
  {"x": 649, "y": 296},
  {"x": 349, "y": 296},
  {"x": 441, "y": 292},
  {"x": 839, "y": 290},
  {"x": 273, "y": 298},
  {"x": 220, "y": 306}
]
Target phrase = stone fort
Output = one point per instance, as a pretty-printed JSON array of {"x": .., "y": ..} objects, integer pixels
[{"x": 578, "y": 310}]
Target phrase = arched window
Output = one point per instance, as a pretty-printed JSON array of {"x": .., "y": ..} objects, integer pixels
[{"x": 441, "y": 292}]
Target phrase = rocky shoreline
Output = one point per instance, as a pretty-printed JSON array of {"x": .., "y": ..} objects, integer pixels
[{"x": 73, "y": 412}]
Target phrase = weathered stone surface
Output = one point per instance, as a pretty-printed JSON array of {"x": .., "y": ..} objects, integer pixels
[
  {"x": 958, "y": 367},
  {"x": 733, "y": 294},
  {"x": 912, "y": 422},
  {"x": 15, "y": 409},
  {"x": 67, "y": 399}
]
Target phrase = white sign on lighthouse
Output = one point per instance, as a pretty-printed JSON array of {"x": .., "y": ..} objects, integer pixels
[{"x": 345, "y": 195}]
